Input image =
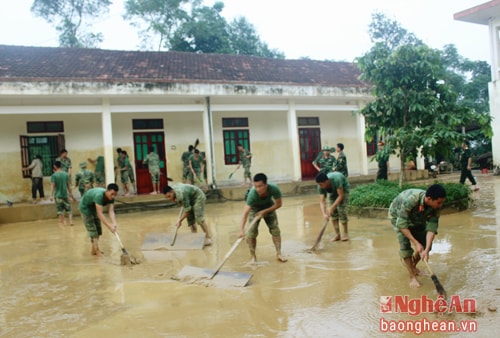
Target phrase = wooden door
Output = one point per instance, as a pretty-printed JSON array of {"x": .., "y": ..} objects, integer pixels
[
  {"x": 310, "y": 147},
  {"x": 142, "y": 144}
]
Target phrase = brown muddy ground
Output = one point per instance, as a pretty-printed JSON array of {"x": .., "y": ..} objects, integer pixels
[{"x": 50, "y": 286}]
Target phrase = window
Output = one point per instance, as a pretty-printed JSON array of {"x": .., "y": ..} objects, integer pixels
[
  {"x": 45, "y": 127},
  {"x": 147, "y": 124},
  {"x": 47, "y": 147},
  {"x": 232, "y": 137},
  {"x": 371, "y": 147},
  {"x": 308, "y": 121}
]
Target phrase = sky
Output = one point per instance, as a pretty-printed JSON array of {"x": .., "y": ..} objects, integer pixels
[{"x": 317, "y": 29}]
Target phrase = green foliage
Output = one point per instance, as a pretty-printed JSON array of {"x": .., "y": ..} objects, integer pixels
[
  {"x": 415, "y": 108},
  {"x": 73, "y": 19},
  {"x": 382, "y": 193}
]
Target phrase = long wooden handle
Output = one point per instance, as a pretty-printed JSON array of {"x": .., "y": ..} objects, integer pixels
[
  {"x": 320, "y": 235},
  {"x": 177, "y": 228},
  {"x": 121, "y": 244},
  {"x": 428, "y": 266},
  {"x": 230, "y": 252}
]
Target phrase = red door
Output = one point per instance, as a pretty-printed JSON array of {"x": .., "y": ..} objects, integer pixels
[
  {"x": 310, "y": 147},
  {"x": 142, "y": 144}
]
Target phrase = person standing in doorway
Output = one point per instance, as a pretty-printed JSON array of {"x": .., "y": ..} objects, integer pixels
[
  {"x": 382, "y": 158},
  {"x": 336, "y": 187},
  {"x": 60, "y": 191},
  {"x": 341, "y": 166},
  {"x": 465, "y": 166},
  {"x": 262, "y": 201},
  {"x": 325, "y": 161},
  {"x": 152, "y": 160},
  {"x": 415, "y": 218},
  {"x": 36, "y": 168},
  {"x": 246, "y": 162}
]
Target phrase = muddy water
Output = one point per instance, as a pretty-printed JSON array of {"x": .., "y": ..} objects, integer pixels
[{"x": 50, "y": 286}]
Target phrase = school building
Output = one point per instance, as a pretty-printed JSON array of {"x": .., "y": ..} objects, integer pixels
[{"x": 92, "y": 101}]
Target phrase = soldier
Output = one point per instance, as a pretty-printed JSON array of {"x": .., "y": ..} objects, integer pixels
[
  {"x": 153, "y": 162},
  {"x": 65, "y": 161},
  {"x": 341, "y": 166},
  {"x": 92, "y": 210},
  {"x": 84, "y": 179},
  {"x": 325, "y": 162},
  {"x": 60, "y": 190},
  {"x": 196, "y": 165},
  {"x": 99, "y": 174},
  {"x": 193, "y": 200},
  {"x": 245, "y": 161},
  {"x": 415, "y": 218},
  {"x": 336, "y": 186},
  {"x": 262, "y": 201},
  {"x": 465, "y": 166},
  {"x": 382, "y": 158},
  {"x": 186, "y": 170}
]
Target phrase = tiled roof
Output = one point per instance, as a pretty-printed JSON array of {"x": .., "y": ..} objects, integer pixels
[{"x": 35, "y": 64}]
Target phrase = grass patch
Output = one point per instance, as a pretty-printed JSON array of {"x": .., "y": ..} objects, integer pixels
[{"x": 381, "y": 194}]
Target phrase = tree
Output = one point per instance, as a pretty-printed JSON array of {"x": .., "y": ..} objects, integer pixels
[
  {"x": 206, "y": 31},
  {"x": 413, "y": 109},
  {"x": 158, "y": 18},
  {"x": 245, "y": 40},
  {"x": 470, "y": 80},
  {"x": 73, "y": 19}
]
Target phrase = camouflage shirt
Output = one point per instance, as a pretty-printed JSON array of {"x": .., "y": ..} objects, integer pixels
[
  {"x": 341, "y": 166},
  {"x": 338, "y": 181},
  {"x": 408, "y": 211},
  {"x": 188, "y": 195},
  {"x": 244, "y": 160},
  {"x": 326, "y": 164}
]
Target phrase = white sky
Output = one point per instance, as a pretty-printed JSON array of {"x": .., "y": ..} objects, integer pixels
[{"x": 318, "y": 29}]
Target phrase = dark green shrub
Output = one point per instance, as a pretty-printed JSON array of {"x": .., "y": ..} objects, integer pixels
[{"x": 381, "y": 194}]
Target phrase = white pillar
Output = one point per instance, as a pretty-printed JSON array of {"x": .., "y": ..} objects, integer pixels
[
  {"x": 363, "y": 159},
  {"x": 107, "y": 140},
  {"x": 293, "y": 135},
  {"x": 209, "y": 141}
]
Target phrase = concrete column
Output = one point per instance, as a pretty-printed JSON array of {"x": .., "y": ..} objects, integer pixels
[
  {"x": 107, "y": 140},
  {"x": 293, "y": 136},
  {"x": 363, "y": 159},
  {"x": 209, "y": 141}
]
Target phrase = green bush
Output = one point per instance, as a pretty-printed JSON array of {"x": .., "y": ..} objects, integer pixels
[{"x": 381, "y": 194}]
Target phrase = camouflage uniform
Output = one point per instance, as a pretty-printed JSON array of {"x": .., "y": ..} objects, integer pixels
[
  {"x": 338, "y": 181},
  {"x": 60, "y": 180},
  {"x": 408, "y": 211},
  {"x": 256, "y": 204},
  {"x": 89, "y": 213},
  {"x": 341, "y": 166},
  {"x": 246, "y": 162},
  {"x": 153, "y": 162},
  {"x": 193, "y": 200},
  {"x": 326, "y": 164},
  {"x": 84, "y": 180},
  {"x": 186, "y": 172},
  {"x": 196, "y": 164},
  {"x": 382, "y": 157}
]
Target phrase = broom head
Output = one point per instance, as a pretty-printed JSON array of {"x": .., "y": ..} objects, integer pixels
[{"x": 439, "y": 288}]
